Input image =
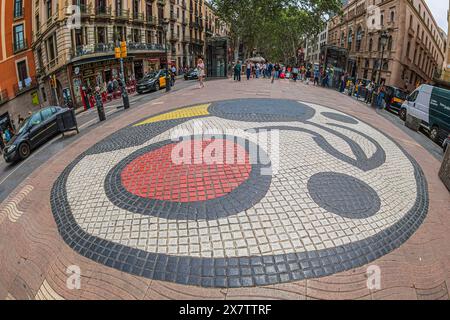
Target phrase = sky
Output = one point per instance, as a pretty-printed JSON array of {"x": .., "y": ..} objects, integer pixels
[{"x": 439, "y": 10}]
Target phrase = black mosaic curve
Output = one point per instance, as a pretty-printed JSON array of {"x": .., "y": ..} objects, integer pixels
[
  {"x": 361, "y": 161},
  {"x": 245, "y": 196},
  {"x": 343, "y": 195},
  {"x": 264, "y": 110},
  {"x": 339, "y": 117},
  {"x": 236, "y": 272},
  {"x": 132, "y": 136}
]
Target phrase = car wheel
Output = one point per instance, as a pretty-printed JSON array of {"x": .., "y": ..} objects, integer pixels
[
  {"x": 434, "y": 134},
  {"x": 157, "y": 87},
  {"x": 24, "y": 151},
  {"x": 402, "y": 114}
]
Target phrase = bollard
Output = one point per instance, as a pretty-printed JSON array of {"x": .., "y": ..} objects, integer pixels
[{"x": 100, "y": 108}]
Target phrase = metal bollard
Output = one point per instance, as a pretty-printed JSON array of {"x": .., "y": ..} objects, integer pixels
[{"x": 100, "y": 108}]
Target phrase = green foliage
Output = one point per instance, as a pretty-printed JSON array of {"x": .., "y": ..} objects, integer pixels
[{"x": 275, "y": 27}]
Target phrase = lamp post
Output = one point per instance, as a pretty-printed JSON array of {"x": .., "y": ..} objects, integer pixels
[
  {"x": 384, "y": 37},
  {"x": 165, "y": 24}
]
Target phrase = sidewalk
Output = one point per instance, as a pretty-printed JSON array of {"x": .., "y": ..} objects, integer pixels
[{"x": 34, "y": 265}]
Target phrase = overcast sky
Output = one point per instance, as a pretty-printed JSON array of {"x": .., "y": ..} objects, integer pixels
[{"x": 439, "y": 9}]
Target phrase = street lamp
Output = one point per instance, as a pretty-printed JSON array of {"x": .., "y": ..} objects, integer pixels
[
  {"x": 384, "y": 37},
  {"x": 165, "y": 25}
]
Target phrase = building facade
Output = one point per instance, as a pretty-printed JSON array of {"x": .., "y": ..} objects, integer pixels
[
  {"x": 446, "y": 67},
  {"x": 313, "y": 47},
  {"x": 18, "y": 80},
  {"x": 414, "y": 51},
  {"x": 81, "y": 53}
]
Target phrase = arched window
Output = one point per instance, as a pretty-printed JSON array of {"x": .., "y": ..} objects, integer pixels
[
  {"x": 389, "y": 45},
  {"x": 392, "y": 16},
  {"x": 350, "y": 39},
  {"x": 359, "y": 35}
]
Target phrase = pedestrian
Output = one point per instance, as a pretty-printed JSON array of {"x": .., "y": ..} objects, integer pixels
[
  {"x": 369, "y": 91},
  {"x": 257, "y": 69},
  {"x": 20, "y": 120},
  {"x": 277, "y": 71},
  {"x": 249, "y": 70},
  {"x": 316, "y": 77},
  {"x": 201, "y": 72},
  {"x": 380, "y": 98},
  {"x": 308, "y": 76},
  {"x": 264, "y": 70}
]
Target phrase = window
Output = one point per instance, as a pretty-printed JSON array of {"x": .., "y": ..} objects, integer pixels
[
  {"x": 18, "y": 8},
  {"x": 19, "y": 38},
  {"x": 392, "y": 16},
  {"x": 36, "y": 119},
  {"x": 22, "y": 71},
  {"x": 413, "y": 96},
  {"x": 370, "y": 44},
  {"x": 358, "y": 39},
  {"x": 46, "y": 114},
  {"x": 49, "y": 9}
]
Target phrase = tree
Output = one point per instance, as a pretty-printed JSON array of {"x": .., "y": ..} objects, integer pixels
[{"x": 275, "y": 27}]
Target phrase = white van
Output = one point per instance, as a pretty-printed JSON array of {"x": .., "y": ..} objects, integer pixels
[{"x": 431, "y": 105}]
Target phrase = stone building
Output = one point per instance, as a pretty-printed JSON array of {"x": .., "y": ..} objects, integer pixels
[
  {"x": 18, "y": 79},
  {"x": 414, "y": 49},
  {"x": 84, "y": 55},
  {"x": 313, "y": 46},
  {"x": 446, "y": 68}
]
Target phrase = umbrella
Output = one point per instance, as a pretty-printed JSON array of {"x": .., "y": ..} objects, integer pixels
[{"x": 257, "y": 59}]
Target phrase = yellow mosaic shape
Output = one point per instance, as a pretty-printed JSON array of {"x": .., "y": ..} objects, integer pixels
[{"x": 190, "y": 112}]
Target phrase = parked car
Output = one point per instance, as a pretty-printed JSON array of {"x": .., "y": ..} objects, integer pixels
[
  {"x": 191, "y": 75},
  {"x": 395, "y": 98},
  {"x": 37, "y": 129},
  {"x": 431, "y": 105},
  {"x": 152, "y": 82}
]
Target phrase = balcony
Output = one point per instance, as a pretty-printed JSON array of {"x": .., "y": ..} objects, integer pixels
[
  {"x": 20, "y": 46},
  {"x": 173, "y": 16},
  {"x": 24, "y": 86},
  {"x": 103, "y": 12},
  {"x": 138, "y": 17},
  {"x": 185, "y": 39},
  {"x": 122, "y": 14},
  {"x": 108, "y": 48},
  {"x": 85, "y": 10},
  {"x": 173, "y": 37},
  {"x": 151, "y": 20}
]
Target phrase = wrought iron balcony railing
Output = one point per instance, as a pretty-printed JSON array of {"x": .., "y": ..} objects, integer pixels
[{"x": 108, "y": 48}]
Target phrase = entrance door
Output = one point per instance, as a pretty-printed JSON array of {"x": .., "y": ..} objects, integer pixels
[{"x": 138, "y": 70}]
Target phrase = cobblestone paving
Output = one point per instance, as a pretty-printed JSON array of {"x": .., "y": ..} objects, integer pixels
[
  {"x": 330, "y": 203},
  {"x": 34, "y": 258}
]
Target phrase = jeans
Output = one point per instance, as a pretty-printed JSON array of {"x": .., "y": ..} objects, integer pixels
[
  {"x": 248, "y": 74},
  {"x": 257, "y": 74}
]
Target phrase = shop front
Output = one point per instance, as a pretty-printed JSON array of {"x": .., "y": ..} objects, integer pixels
[{"x": 90, "y": 74}]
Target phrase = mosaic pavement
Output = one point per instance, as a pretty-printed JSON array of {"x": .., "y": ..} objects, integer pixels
[{"x": 323, "y": 201}]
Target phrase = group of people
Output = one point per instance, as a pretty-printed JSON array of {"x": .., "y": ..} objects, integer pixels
[{"x": 275, "y": 71}]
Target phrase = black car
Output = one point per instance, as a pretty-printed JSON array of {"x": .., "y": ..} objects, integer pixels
[
  {"x": 152, "y": 82},
  {"x": 35, "y": 131},
  {"x": 191, "y": 75}
]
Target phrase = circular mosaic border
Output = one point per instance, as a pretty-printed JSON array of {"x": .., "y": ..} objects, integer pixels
[
  {"x": 239, "y": 271},
  {"x": 243, "y": 197}
]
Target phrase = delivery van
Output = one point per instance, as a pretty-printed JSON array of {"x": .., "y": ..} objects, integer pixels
[{"x": 431, "y": 105}]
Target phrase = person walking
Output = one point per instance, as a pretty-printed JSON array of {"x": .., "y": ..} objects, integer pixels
[
  {"x": 316, "y": 77},
  {"x": 249, "y": 70},
  {"x": 201, "y": 72}
]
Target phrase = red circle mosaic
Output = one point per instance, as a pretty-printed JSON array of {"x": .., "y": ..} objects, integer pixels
[{"x": 155, "y": 175}]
